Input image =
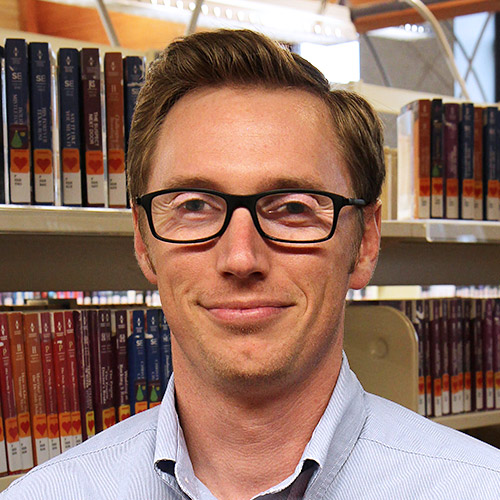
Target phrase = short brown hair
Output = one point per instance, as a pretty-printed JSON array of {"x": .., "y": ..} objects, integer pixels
[{"x": 247, "y": 59}]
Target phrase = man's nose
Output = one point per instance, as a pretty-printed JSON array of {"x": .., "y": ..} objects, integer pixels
[{"x": 243, "y": 252}]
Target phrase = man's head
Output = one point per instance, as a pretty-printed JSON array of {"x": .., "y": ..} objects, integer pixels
[{"x": 233, "y": 113}]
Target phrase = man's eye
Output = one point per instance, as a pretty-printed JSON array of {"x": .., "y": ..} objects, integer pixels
[
  {"x": 294, "y": 208},
  {"x": 194, "y": 205}
]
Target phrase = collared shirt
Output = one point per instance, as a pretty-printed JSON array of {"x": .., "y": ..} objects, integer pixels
[{"x": 364, "y": 447}]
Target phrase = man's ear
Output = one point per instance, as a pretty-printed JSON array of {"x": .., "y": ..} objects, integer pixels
[
  {"x": 141, "y": 251},
  {"x": 366, "y": 260}
]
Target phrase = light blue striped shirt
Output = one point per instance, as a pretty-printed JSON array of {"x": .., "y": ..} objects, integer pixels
[{"x": 364, "y": 447}]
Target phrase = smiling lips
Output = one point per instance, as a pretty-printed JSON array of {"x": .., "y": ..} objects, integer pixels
[{"x": 246, "y": 312}]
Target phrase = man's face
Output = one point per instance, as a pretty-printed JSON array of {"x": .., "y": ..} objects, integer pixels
[{"x": 242, "y": 308}]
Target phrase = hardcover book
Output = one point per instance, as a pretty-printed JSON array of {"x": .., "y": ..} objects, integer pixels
[
  {"x": 455, "y": 348},
  {"x": 437, "y": 159},
  {"x": 445, "y": 356},
  {"x": 436, "y": 363},
  {"x": 450, "y": 155},
  {"x": 478, "y": 163},
  {"x": 69, "y": 126},
  {"x": 137, "y": 362},
  {"x": 464, "y": 312},
  {"x": 466, "y": 161},
  {"x": 490, "y": 151},
  {"x": 422, "y": 157},
  {"x": 3, "y": 162},
  {"x": 119, "y": 329},
  {"x": 4, "y": 469},
  {"x": 18, "y": 121},
  {"x": 133, "y": 74},
  {"x": 489, "y": 392},
  {"x": 152, "y": 343},
  {"x": 496, "y": 352},
  {"x": 165, "y": 353},
  {"x": 41, "y": 122},
  {"x": 477, "y": 357}
]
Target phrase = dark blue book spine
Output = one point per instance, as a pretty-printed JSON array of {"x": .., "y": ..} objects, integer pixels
[
  {"x": 490, "y": 151},
  {"x": 165, "y": 353},
  {"x": 152, "y": 337},
  {"x": 437, "y": 159},
  {"x": 466, "y": 161},
  {"x": 69, "y": 126},
  {"x": 41, "y": 122},
  {"x": 137, "y": 363},
  {"x": 119, "y": 330},
  {"x": 3, "y": 197},
  {"x": 18, "y": 122},
  {"x": 133, "y": 74}
]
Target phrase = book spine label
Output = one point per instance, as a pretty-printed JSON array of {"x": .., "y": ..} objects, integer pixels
[
  {"x": 62, "y": 380},
  {"x": 422, "y": 157},
  {"x": 436, "y": 364},
  {"x": 36, "y": 385},
  {"x": 437, "y": 159},
  {"x": 152, "y": 342},
  {"x": 165, "y": 353},
  {"x": 4, "y": 469},
  {"x": 477, "y": 358},
  {"x": 7, "y": 396},
  {"x": 496, "y": 352},
  {"x": 69, "y": 126},
  {"x": 450, "y": 153},
  {"x": 133, "y": 73},
  {"x": 76, "y": 422},
  {"x": 478, "y": 163},
  {"x": 82, "y": 344},
  {"x": 137, "y": 362},
  {"x": 466, "y": 162},
  {"x": 115, "y": 131},
  {"x": 119, "y": 328},
  {"x": 41, "y": 122},
  {"x": 50, "y": 385},
  {"x": 20, "y": 377},
  {"x": 490, "y": 181},
  {"x": 467, "y": 354},
  {"x": 92, "y": 127},
  {"x": 489, "y": 392},
  {"x": 17, "y": 85}
]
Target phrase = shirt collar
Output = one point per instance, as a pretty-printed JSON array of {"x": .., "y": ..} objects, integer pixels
[{"x": 329, "y": 447}]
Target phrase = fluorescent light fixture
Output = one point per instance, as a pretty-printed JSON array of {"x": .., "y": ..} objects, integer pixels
[{"x": 408, "y": 32}]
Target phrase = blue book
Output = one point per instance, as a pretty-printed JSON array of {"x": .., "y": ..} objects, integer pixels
[
  {"x": 18, "y": 121},
  {"x": 466, "y": 160},
  {"x": 152, "y": 338},
  {"x": 137, "y": 362},
  {"x": 68, "y": 61},
  {"x": 490, "y": 151},
  {"x": 165, "y": 353},
  {"x": 133, "y": 75},
  {"x": 41, "y": 122}
]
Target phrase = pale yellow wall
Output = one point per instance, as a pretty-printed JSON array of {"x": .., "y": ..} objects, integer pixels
[{"x": 9, "y": 14}]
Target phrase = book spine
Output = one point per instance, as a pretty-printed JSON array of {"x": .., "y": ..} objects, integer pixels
[
  {"x": 445, "y": 357},
  {"x": 109, "y": 416},
  {"x": 41, "y": 122},
  {"x": 422, "y": 157},
  {"x": 490, "y": 181},
  {"x": 4, "y": 469},
  {"x": 50, "y": 385},
  {"x": 478, "y": 163},
  {"x": 115, "y": 131},
  {"x": 95, "y": 360},
  {"x": 165, "y": 353},
  {"x": 456, "y": 360},
  {"x": 152, "y": 343},
  {"x": 16, "y": 63},
  {"x": 489, "y": 392},
  {"x": 69, "y": 334},
  {"x": 414, "y": 311},
  {"x": 477, "y": 357},
  {"x": 496, "y": 352},
  {"x": 436, "y": 364},
  {"x": 133, "y": 73},
  {"x": 94, "y": 185},
  {"x": 450, "y": 155},
  {"x": 62, "y": 380},
  {"x": 137, "y": 362},
  {"x": 466, "y": 161},
  {"x": 69, "y": 126},
  {"x": 465, "y": 314},
  {"x": 7, "y": 397},
  {"x": 36, "y": 387},
  {"x": 3, "y": 160},
  {"x": 405, "y": 164},
  {"x": 437, "y": 159},
  {"x": 119, "y": 330},
  {"x": 82, "y": 345},
  {"x": 20, "y": 377},
  {"x": 427, "y": 359}
]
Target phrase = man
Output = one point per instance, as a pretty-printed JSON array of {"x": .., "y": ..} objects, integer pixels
[{"x": 254, "y": 191}]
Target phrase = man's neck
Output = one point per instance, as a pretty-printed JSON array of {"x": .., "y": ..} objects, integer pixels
[{"x": 242, "y": 445}]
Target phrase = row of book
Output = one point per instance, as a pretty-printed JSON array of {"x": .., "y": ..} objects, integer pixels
[
  {"x": 67, "y": 374},
  {"x": 459, "y": 353},
  {"x": 65, "y": 124},
  {"x": 448, "y": 161}
]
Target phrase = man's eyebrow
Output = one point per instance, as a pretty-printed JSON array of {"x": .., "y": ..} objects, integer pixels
[{"x": 180, "y": 182}]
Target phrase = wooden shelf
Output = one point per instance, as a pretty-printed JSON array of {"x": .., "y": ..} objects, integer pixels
[
  {"x": 470, "y": 420},
  {"x": 6, "y": 480}
]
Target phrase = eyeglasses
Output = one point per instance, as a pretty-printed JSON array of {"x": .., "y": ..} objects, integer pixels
[{"x": 285, "y": 215}]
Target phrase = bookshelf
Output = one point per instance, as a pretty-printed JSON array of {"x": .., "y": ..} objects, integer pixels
[{"x": 6, "y": 480}]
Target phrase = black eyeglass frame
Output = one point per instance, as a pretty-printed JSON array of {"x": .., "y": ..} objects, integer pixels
[{"x": 250, "y": 203}]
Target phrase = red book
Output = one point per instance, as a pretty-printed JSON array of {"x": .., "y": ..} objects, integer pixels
[
  {"x": 82, "y": 343},
  {"x": 8, "y": 399},
  {"x": 50, "y": 385},
  {"x": 36, "y": 387},
  {"x": 119, "y": 328},
  {"x": 20, "y": 377},
  {"x": 63, "y": 380},
  {"x": 115, "y": 129},
  {"x": 478, "y": 163},
  {"x": 422, "y": 157},
  {"x": 4, "y": 470}
]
